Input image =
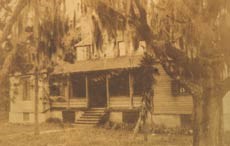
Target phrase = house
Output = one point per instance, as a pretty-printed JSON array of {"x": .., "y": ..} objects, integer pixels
[
  {"x": 93, "y": 86},
  {"x": 98, "y": 85},
  {"x": 97, "y": 82}
]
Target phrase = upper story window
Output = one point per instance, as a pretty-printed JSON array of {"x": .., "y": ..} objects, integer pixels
[
  {"x": 83, "y": 52},
  {"x": 122, "y": 50},
  {"x": 26, "y": 89}
]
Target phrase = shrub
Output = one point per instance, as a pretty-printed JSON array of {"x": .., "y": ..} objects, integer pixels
[{"x": 54, "y": 120}]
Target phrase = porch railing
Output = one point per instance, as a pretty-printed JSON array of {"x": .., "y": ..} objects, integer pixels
[{"x": 73, "y": 103}]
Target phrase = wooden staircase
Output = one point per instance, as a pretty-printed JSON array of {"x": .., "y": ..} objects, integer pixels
[{"x": 92, "y": 117}]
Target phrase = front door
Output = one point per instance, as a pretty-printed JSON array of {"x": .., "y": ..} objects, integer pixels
[{"x": 97, "y": 93}]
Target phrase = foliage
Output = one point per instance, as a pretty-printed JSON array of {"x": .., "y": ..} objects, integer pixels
[
  {"x": 23, "y": 40},
  {"x": 69, "y": 40},
  {"x": 190, "y": 40},
  {"x": 54, "y": 121},
  {"x": 161, "y": 129},
  {"x": 53, "y": 27},
  {"x": 147, "y": 72}
]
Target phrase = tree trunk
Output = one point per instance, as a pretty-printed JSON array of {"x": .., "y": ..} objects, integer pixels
[
  {"x": 198, "y": 122},
  {"x": 213, "y": 113},
  {"x": 208, "y": 120},
  {"x": 36, "y": 123},
  {"x": 137, "y": 127},
  {"x": 37, "y": 65}
]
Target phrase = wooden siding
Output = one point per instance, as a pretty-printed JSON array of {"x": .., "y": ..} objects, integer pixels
[
  {"x": 18, "y": 104},
  {"x": 226, "y": 103},
  {"x": 74, "y": 103},
  {"x": 164, "y": 101},
  {"x": 124, "y": 102}
]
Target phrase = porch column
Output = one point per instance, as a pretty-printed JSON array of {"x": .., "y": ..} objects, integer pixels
[
  {"x": 131, "y": 89},
  {"x": 87, "y": 90},
  {"x": 107, "y": 90},
  {"x": 68, "y": 93}
]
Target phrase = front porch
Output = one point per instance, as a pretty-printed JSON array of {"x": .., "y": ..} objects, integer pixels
[
  {"x": 107, "y": 83},
  {"x": 112, "y": 90}
]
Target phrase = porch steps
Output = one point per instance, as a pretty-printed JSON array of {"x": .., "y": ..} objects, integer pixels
[{"x": 92, "y": 117}]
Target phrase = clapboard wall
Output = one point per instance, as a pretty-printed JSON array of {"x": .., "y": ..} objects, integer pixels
[
  {"x": 164, "y": 101},
  {"x": 226, "y": 104},
  {"x": 124, "y": 102}
]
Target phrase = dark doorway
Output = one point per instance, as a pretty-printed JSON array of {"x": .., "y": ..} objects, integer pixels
[{"x": 97, "y": 92}]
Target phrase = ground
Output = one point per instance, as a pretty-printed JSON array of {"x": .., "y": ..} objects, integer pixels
[
  {"x": 88, "y": 136},
  {"x": 65, "y": 135}
]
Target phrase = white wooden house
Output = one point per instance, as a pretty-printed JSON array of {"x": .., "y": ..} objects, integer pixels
[
  {"x": 92, "y": 87},
  {"x": 97, "y": 84},
  {"x": 102, "y": 84}
]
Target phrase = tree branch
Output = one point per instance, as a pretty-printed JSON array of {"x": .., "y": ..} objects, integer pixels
[
  {"x": 9, "y": 59},
  {"x": 177, "y": 20},
  {"x": 4, "y": 72},
  {"x": 21, "y": 4}
]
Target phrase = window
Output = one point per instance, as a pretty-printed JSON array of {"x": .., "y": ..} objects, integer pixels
[
  {"x": 178, "y": 89},
  {"x": 119, "y": 85},
  {"x": 57, "y": 88},
  {"x": 137, "y": 84},
  {"x": 122, "y": 49},
  {"x": 26, "y": 116},
  {"x": 82, "y": 53},
  {"x": 26, "y": 89},
  {"x": 78, "y": 86}
]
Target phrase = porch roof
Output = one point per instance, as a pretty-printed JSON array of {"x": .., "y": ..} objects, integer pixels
[{"x": 99, "y": 65}]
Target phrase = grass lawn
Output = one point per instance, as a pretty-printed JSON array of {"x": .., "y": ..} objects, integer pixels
[
  {"x": 22, "y": 135},
  {"x": 89, "y": 136}
]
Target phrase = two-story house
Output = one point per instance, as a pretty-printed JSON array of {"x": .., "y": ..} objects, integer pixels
[{"x": 85, "y": 91}]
